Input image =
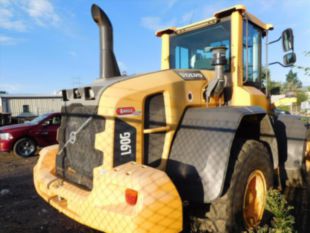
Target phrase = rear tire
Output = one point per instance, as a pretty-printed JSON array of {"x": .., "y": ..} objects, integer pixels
[
  {"x": 24, "y": 147},
  {"x": 231, "y": 212}
]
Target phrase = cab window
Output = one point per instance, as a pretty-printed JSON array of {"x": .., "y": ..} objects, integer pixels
[
  {"x": 252, "y": 43},
  {"x": 192, "y": 50}
]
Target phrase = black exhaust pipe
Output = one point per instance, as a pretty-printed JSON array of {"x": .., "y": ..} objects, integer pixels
[{"x": 108, "y": 64}]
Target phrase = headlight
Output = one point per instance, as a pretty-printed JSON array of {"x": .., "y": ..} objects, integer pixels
[{"x": 5, "y": 136}]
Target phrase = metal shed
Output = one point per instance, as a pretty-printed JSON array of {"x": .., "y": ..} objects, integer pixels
[{"x": 34, "y": 104}]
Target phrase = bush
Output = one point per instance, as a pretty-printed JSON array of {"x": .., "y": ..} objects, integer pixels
[{"x": 282, "y": 221}]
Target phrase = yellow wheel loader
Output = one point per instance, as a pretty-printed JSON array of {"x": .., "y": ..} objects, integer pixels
[{"x": 192, "y": 147}]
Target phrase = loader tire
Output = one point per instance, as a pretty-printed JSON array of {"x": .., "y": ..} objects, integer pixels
[{"x": 226, "y": 213}]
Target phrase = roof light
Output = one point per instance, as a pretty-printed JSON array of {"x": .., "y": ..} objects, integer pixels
[
  {"x": 89, "y": 93},
  {"x": 76, "y": 93},
  {"x": 64, "y": 95}
]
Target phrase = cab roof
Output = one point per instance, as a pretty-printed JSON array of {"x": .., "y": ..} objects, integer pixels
[{"x": 217, "y": 16}]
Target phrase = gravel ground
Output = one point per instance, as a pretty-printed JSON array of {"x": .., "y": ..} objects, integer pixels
[{"x": 23, "y": 211}]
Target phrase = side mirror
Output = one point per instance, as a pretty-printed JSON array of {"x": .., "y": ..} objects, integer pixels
[
  {"x": 289, "y": 59},
  {"x": 288, "y": 40}
]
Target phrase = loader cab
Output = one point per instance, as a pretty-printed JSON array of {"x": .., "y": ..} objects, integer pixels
[
  {"x": 241, "y": 33},
  {"x": 192, "y": 50}
]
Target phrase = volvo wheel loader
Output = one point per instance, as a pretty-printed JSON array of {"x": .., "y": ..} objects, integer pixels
[{"x": 192, "y": 147}]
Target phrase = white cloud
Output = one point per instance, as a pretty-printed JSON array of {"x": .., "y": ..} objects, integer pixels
[
  {"x": 265, "y": 5},
  {"x": 155, "y": 23},
  {"x": 297, "y": 3},
  {"x": 170, "y": 3},
  {"x": 11, "y": 87},
  {"x": 288, "y": 6},
  {"x": 188, "y": 17},
  {"x": 5, "y": 2},
  {"x": 208, "y": 11},
  {"x": 8, "y": 21},
  {"x": 42, "y": 11},
  {"x": 7, "y": 40},
  {"x": 18, "y": 16}
]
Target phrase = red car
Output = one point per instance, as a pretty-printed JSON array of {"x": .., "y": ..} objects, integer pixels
[{"x": 23, "y": 139}]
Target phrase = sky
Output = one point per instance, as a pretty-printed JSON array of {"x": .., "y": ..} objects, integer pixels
[{"x": 50, "y": 45}]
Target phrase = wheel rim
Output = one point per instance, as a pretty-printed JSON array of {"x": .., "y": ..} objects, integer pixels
[
  {"x": 254, "y": 199},
  {"x": 26, "y": 148}
]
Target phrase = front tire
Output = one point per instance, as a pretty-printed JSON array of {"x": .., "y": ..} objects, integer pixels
[
  {"x": 24, "y": 147},
  {"x": 242, "y": 206}
]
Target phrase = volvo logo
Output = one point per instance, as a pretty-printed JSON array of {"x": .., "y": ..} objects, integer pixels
[{"x": 191, "y": 75}]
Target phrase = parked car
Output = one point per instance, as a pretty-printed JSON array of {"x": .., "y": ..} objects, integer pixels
[
  {"x": 23, "y": 139},
  {"x": 278, "y": 111}
]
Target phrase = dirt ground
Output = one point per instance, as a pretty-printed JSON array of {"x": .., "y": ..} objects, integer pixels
[{"x": 22, "y": 210}]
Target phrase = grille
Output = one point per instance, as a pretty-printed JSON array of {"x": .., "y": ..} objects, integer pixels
[{"x": 78, "y": 158}]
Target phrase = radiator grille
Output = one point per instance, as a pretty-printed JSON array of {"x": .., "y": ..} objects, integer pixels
[{"x": 78, "y": 158}]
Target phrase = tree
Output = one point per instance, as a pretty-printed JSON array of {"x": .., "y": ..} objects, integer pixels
[
  {"x": 292, "y": 83},
  {"x": 272, "y": 85},
  {"x": 301, "y": 97},
  {"x": 305, "y": 69}
]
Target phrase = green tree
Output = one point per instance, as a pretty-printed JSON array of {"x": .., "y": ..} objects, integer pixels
[
  {"x": 305, "y": 69},
  {"x": 301, "y": 97},
  {"x": 292, "y": 84},
  {"x": 272, "y": 85}
]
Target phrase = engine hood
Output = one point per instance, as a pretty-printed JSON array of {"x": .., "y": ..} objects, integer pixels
[{"x": 90, "y": 95}]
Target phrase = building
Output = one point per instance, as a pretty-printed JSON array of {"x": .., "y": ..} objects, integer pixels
[
  {"x": 29, "y": 105},
  {"x": 288, "y": 101},
  {"x": 305, "y": 106}
]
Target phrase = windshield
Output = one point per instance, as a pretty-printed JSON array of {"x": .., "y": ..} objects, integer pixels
[
  {"x": 38, "y": 119},
  {"x": 192, "y": 50}
]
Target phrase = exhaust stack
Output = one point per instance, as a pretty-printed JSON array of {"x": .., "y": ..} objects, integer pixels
[{"x": 108, "y": 65}]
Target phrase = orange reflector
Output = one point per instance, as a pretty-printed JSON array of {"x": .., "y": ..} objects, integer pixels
[{"x": 131, "y": 196}]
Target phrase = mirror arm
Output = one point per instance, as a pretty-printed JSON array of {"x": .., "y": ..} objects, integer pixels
[
  {"x": 272, "y": 42},
  {"x": 279, "y": 63}
]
